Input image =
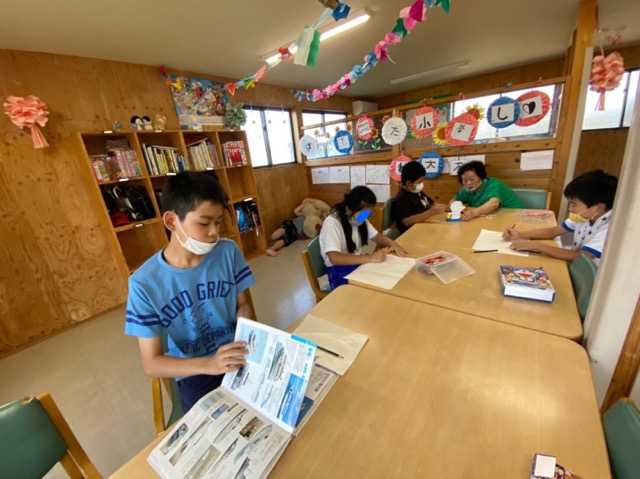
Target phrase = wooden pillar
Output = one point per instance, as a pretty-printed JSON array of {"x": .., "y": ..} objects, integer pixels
[
  {"x": 626, "y": 371},
  {"x": 582, "y": 39}
]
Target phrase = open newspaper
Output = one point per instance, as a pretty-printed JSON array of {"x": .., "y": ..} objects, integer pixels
[{"x": 242, "y": 428}]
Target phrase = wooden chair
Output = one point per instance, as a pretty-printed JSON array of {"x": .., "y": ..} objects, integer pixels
[
  {"x": 387, "y": 220},
  {"x": 622, "y": 432},
  {"x": 583, "y": 275},
  {"x": 170, "y": 386},
  {"x": 534, "y": 198},
  {"x": 316, "y": 268},
  {"x": 35, "y": 437}
]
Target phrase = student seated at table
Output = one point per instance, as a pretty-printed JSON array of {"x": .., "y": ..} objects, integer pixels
[
  {"x": 482, "y": 194},
  {"x": 346, "y": 230},
  {"x": 590, "y": 198},
  {"x": 411, "y": 205}
]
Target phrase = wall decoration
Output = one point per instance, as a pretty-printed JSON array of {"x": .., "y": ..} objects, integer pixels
[
  {"x": 503, "y": 112},
  {"x": 606, "y": 73},
  {"x": 343, "y": 141},
  {"x": 308, "y": 145},
  {"x": 476, "y": 110},
  {"x": 29, "y": 112},
  {"x": 439, "y": 134},
  {"x": 395, "y": 168},
  {"x": 424, "y": 121},
  {"x": 461, "y": 130},
  {"x": 235, "y": 116},
  {"x": 534, "y": 106},
  {"x": 365, "y": 128},
  {"x": 433, "y": 164},
  {"x": 394, "y": 131},
  {"x": 198, "y": 101}
]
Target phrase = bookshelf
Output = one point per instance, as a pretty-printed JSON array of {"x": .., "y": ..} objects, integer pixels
[{"x": 145, "y": 160}]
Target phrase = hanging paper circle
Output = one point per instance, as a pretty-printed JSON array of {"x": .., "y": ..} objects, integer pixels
[
  {"x": 395, "y": 168},
  {"x": 424, "y": 121},
  {"x": 308, "y": 145},
  {"x": 343, "y": 141},
  {"x": 534, "y": 106},
  {"x": 365, "y": 129},
  {"x": 461, "y": 130},
  {"x": 503, "y": 112},
  {"x": 433, "y": 163},
  {"x": 394, "y": 131}
]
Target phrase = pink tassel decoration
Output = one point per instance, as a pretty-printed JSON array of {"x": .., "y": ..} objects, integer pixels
[
  {"x": 28, "y": 112},
  {"x": 606, "y": 74}
]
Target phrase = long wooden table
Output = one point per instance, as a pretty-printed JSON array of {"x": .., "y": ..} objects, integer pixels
[
  {"x": 480, "y": 294},
  {"x": 438, "y": 393}
]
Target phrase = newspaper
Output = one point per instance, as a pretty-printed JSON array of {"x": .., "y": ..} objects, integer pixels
[{"x": 242, "y": 428}]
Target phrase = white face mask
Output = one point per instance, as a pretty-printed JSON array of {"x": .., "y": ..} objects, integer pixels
[
  {"x": 419, "y": 188},
  {"x": 194, "y": 246}
]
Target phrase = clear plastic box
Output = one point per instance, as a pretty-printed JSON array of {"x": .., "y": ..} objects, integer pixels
[
  {"x": 427, "y": 263},
  {"x": 453, "y": 270}
]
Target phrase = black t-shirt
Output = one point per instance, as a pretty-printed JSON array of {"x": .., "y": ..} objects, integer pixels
[{"x": 407, "y": 204}]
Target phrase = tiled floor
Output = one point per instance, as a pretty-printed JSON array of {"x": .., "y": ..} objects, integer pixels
[{"x": 94, "y": 374}]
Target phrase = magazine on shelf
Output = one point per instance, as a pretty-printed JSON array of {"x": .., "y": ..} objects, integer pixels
[
  {"x": 528, "y": 283},
  {"x": 242, "y": 428}
]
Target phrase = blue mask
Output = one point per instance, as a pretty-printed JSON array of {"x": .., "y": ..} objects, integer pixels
[{"x": 360, "y": 218}]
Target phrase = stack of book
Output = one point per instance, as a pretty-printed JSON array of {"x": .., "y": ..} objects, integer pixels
[
  {"x": 119, "y": 162},
  {"x": 234, "y": 153},
  {"x": 161, "y": 160},
  {"x": 528, "y": 283},
  {"x": 202, "y": 155}
]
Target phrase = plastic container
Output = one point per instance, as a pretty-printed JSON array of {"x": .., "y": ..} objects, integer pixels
[
  {"x": 453, "y": 270},
  {"x": 427, "y": 263}
]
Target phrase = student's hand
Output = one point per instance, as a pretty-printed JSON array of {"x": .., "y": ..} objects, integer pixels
[
  {"x": 438, "y": 208},
  {"x": 510, "y": 235},
  {"x": 397, "y": 249},
  {"x": 524, "y": 245},
  {"x": 377, "y": 256},
  {"x": 228, "y": 358},
  {"x": 468, "y": 214}
]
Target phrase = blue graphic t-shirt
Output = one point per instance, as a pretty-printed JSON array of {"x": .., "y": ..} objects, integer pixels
[{"x": 196, "y": 305}]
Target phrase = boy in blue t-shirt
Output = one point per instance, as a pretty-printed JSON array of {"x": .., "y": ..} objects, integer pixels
[{"x": 193, "y": 291}]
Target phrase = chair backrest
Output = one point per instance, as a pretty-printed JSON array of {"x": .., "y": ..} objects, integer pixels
[
  {"x": 622, "y": 431},
  {"x": 171, "y": 388},
  {"x": 583, "y": 275},
  {"x": 35, "y": 437},
  {"x": 533, "y": 198},
  {"x": 315, "y": 267},
  {"x": 387, "y": 217}
]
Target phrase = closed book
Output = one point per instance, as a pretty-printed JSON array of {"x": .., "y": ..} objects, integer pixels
[{"x": 528, "y": 283}]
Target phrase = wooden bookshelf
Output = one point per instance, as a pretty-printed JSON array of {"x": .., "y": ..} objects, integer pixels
[{"x": 160, "y": 155}]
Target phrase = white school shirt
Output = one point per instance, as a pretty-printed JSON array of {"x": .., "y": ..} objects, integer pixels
[
  {"x": 589, "y": 237},
  {"x": 332, "y": 237}
]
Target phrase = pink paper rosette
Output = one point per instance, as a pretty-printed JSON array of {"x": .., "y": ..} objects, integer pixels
[{"x": 29, "y": 112}]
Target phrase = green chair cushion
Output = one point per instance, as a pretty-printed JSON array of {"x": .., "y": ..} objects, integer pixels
[
  {"x": 583, "y": 275},
  {"x": 317, "y": 263},
  {"x": 622, "y": 431},
  {"x": 533, "y": 198},
  {"x": 387, "y": 218}
]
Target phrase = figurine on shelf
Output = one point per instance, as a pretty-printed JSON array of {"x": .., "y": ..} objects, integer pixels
[
  {"x": 160, "y": 121},
  {"x": 136, "y": 123},
  {"x": 117, "y": 126},
  {"x": 146, "y": 123}
]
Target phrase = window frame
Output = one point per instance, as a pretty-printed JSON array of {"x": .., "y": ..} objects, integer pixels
[
  {"x": 625, "y": 96},
  {"x": 322, "y": 126},
  {"x": 265, "y": 134}
]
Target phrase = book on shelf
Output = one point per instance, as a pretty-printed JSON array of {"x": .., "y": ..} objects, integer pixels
[
  {"x": 528, "y": 283},
  {"x": 243, "y": 427},
  {"x": 234, "y": 153},
  {"x": 202, "y": 155},
  {"x": 117, "y": 163},
  {"x": 161, "y": 160}
]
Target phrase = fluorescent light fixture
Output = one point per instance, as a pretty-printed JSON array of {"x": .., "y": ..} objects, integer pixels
[
  {"x": 435, "y": 71},
  {"x": 353, "y": 20}
]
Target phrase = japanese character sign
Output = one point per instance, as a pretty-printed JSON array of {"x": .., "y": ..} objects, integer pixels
[
  {"x": 534, "y": 106},
  {"x": 503, "y": 112},
  {"x": 424, "y": 121},
  {"x": 394, "y": 131},
  {"x": 365, "y": 129},
  {"x": 461, "y": 130},
  {"x": 343, "y": 141},
  {"x": 395, "y": 168},
  {"x": 308, "y": 145},
  {"x": 433, "y": 164}
]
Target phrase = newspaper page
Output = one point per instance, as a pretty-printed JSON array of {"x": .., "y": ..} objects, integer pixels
[{"x": 220, "y": 438}]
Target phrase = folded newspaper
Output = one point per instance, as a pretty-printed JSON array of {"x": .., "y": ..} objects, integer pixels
[{"x": 241, "y": 429}]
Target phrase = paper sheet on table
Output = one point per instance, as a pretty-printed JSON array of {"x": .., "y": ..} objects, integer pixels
[
  {"x": 383, "y": 275},
  {"x": 343, "y": 341},
  {"x": 488, "y": 239}
]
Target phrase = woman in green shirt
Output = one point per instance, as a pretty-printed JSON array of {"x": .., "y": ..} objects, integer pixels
[{"x": 481, "y": 194}]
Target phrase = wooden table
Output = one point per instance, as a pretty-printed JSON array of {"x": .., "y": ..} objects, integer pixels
[
  {"x": 480, "y": 294},
  {"x": 437, "y": 393}
]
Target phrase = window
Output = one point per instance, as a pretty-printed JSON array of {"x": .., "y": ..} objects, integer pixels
[
  {"x": 323, "y": 134},
  {"x": 270, "y": 136},
  {"x": 619, "y": 105}
]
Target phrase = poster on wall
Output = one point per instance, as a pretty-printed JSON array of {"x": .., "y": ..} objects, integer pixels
[{"x": 198, "y": 102}]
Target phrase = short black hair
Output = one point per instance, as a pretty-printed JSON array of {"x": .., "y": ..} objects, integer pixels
[
  {"x": 593, "y": 187},
  {"x": 477, "y": 167},
  {"x": 186, "y": 191},
  {"x": 412, "y": 171}
]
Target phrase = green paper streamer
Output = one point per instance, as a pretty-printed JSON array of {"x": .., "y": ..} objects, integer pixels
[
  {"x": 445, "y": 5},
  {"x": 314, "y": 49},
  {"x": 399, "y": 28}
]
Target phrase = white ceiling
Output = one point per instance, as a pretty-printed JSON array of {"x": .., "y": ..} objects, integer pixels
[{"x": 231, "y": 37}]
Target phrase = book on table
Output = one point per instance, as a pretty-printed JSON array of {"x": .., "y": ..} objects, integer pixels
[
  {"x": 528, "y": 283},
  {"x": 243, "y": 427}
]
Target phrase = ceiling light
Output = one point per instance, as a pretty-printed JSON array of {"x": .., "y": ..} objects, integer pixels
[
  {"x": 435, "y": 71},
  {"x": 353, "y": 20}
]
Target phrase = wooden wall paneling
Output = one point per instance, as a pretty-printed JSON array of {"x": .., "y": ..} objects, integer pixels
[{"x": 602, "y": 149}]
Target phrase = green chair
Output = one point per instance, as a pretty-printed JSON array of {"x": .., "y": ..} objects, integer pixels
[
  {"x": 171, "y": 388},
  {"x": 583, "y": 275},
  {"x": 35, "y": 437},
  {"x": 387, "y": 220},
  {"x": 533, "y": 198},
  {"x": 622, "y": 432},
  {"x": 314, "y": 264}
]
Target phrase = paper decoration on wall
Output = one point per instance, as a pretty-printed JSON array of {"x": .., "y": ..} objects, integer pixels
[
  {"x": 395, "y": 168},
  {"x": 29, "y": 112},
  {"x": 476, "y": 110},
  {"x": 308, "y": 145},
  {"x": 365, "y": 128},
  {"x": 534, "y": 106},
  {"x": 424, "y": 121},
  {"x": 503, "y": 112},
  {"x": 439, "y": 134},
  {"x": 394, "y": 131},
  {"x": 198, "y": 101},
  {"x": 461, "y": 130},
  {"x": 343, "y": 141},
  {"x": 606, "y": 73},
  {"x": 433, "y": 164}
]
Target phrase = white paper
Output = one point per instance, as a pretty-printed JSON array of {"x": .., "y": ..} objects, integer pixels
[
  {"x": 545, "y": 466},
  {"x": 358, "y": 176},
  {"x": 531, "y": 107},
  {"x": 383, "y": 275},
  {"x": 536, "y": 160},
  {"x": 342, "y": 341},
  {"x": 320, "y": 176},
  {"x": 461, "y": 131},
  {"x": 339, "y": 174},
  {"x": 502, "y": 113},
  {"x": 378, "y": 174},
  {"x": 382, "y": 192},
  {"x": 455, "y": 162},
  {"x": 489, "y": 240}
]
